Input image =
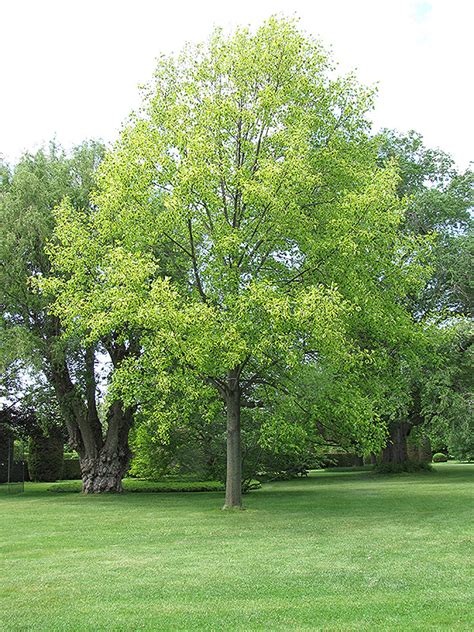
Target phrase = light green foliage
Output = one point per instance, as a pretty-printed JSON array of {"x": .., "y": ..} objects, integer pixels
[
  {"x": 243, "y": 225},
  {"x": 273, "y": 446}
]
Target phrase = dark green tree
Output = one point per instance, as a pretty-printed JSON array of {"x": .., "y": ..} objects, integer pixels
[
  {"x": 46, "y": 454},
  {"x": 439, "y": 201}
]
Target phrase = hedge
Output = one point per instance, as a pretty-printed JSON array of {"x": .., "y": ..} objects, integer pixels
[
  {"x": 71, "y": 470},
  {"x": 45, "y": 456}
]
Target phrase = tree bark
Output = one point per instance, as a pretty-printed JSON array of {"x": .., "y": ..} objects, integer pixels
[
  {"x": 396, "y": 451},
  {"x": 103, "y": 460},
  {"x": 233, "y": 488},
  {"x": 425, "y": 452},
  {"x": 103, "y": 471}
]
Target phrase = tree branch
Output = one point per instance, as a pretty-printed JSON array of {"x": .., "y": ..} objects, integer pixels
[{"x": 195, "y": 266}]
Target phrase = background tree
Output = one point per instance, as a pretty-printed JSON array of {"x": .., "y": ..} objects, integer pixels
[
  {"x": 46, "y": 454},
  {"x": 35, "y": 355},
  {"x": 439, "y": 202},
  {"x": 448, "y": 392}
]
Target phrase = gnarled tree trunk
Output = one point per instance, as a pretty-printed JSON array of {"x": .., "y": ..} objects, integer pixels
[
  {"x": 104, "y": 468},
  {"x": 425, "y": 451},
  {"x": 103, "y": 459},
  {"x": 396, "y": 452},
  {"x": 103, "y": 473}
]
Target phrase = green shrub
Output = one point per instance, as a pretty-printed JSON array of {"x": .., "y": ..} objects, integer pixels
[
  {"x": 45, "y": 455},
  {"x": 439, "y": 457}
]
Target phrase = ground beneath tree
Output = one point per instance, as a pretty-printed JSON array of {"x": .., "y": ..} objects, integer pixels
[{"x": 336, "y": 551}]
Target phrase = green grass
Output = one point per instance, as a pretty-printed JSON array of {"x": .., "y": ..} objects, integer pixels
[{"x": 335, "y": 551}]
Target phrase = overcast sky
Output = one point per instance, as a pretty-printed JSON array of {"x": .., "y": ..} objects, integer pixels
[{"x": 70, "y": 68}]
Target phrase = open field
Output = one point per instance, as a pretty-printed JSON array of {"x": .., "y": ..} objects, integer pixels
[{"x": 336, "y": 551}]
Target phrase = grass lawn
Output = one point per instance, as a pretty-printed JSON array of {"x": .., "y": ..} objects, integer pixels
[{"x": 336, "y": 551}]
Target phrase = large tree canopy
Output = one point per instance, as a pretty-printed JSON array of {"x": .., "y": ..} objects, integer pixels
[{"x": 245, "y": 231}]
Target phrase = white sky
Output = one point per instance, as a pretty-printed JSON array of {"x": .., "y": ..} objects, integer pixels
[{"x": 70, "y": 68}]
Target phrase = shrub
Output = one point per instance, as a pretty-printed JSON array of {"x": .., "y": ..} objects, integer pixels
[
  {"x": 439, "y": 457},
  {"x": 6, "y": 451},
  {"x": 155, "y": 487},
  {"x": 137, "y": 486}
]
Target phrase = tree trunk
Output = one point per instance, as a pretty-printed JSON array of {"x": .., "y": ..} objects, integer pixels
[
  {"x": 103, "y": 460},
  {"x": 396, "y": 450},
  {"x": 103, "y": 470},
  {"x": 233, "y": 488},
  {"x": 103, "y": 473}
]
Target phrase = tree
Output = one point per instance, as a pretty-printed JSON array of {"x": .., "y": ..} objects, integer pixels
[
  {"x": 447, "y": 392},
  {"x": 242, "y": 224},
  {"x": 46, "y": 455},
  {"x": 40, "y": 363},
  {"x": 439, "y": 201}
]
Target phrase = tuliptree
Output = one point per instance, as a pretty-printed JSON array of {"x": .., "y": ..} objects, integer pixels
[{"x": 241, "y": 225}]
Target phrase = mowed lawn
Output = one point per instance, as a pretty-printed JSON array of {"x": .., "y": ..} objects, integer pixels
[{"x": 336, "y": 551}]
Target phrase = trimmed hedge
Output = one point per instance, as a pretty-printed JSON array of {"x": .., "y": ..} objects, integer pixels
[
  {"x": 139, "y": 486},
  {"x": 401, "y": 468},
  {"x": 439, "y": 457},
  {"x": 45, "y": 456},
  {"x": 71, "y": 470},
  {"x": 341, "y": 459}
]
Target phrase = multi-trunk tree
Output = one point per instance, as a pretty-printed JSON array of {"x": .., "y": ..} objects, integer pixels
[
  {"x": 42, "y": 367},
  {"x": 242, "y": 227}
]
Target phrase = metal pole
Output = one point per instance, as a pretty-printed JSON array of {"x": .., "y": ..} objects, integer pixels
[{"x": 9, "y": 458}]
